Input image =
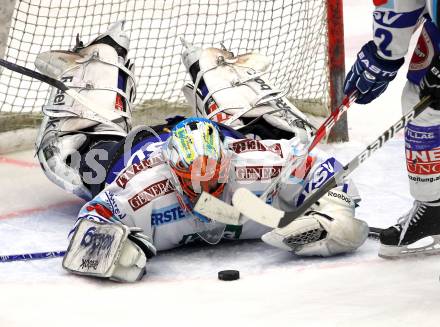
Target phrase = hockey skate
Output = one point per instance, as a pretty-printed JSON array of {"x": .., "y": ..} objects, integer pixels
[{"x": 418, "y": 232}]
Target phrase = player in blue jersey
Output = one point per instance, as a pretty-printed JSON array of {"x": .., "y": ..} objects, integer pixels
[{"x": 395, "y": 21}]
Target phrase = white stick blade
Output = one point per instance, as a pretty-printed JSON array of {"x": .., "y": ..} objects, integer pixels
[
  {"x": 215, "y": 209},
  {"x": 253, "y": 208}
]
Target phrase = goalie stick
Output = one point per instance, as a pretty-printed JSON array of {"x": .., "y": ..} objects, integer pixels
[
  {"x": 31, "y": 256},
  {"x": 215, "y": 209},
  {"x": 322, "y": 131},
  {"x": 251, "y": 206},
  {"x": 99, "y": 114}
]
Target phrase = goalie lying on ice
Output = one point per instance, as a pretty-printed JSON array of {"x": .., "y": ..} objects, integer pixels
[
  {"x": 142, "y": 184},
  {"x": 158, "y": 193}
]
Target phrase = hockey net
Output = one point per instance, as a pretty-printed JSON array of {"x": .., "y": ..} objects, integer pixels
[{"x": 294, "y": 34}]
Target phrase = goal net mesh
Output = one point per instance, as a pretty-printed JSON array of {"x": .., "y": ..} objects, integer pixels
[{"x": 292, "y": 33}]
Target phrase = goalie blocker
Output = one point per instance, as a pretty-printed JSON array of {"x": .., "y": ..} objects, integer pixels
[{"x": 105, "y": 250}]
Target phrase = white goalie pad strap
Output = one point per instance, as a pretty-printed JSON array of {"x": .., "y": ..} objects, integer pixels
[
  {"x": 94, "y": 116},
  {"x": 60, "y": 111},
  {"x": 237, "y": 115},
  {"x": 97, "y": 87},
  {"x": 67, "y": 111},
  {"x": 112, "y": 61},
  {"x": 109, "y": 60},
  {"x": 95, "y": 248}
]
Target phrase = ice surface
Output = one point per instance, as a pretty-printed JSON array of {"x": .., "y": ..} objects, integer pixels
[{"x": 182, "y": 289}]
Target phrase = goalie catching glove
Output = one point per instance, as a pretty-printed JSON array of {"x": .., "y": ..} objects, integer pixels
[
  {"x": 329, "y": 228},
  {"x": 106, "y": 250}
]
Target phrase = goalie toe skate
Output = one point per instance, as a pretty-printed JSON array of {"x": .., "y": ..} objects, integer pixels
[{"x": 418, "y": 232}]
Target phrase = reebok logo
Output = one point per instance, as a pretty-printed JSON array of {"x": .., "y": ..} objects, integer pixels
[{"x": 340, "y": 196}]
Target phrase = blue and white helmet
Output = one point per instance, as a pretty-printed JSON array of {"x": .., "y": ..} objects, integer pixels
[{"x": 198, "y": 158}]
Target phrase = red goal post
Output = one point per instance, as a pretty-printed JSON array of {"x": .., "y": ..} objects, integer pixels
[{"x": 336, "y": 64}]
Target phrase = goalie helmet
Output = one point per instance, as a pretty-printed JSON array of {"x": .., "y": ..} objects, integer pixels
[{"x": 198, "y": 159}]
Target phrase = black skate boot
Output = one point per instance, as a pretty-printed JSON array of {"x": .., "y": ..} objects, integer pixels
[{"x": 418, "y": 232}]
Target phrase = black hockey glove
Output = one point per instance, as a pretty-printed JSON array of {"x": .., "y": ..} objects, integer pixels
[
  {"x": 370, "y": 74},
  {"x": 430, "y": 84}
]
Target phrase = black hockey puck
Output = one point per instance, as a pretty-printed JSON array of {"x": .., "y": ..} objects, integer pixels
[{"x": 228, "y": 275}]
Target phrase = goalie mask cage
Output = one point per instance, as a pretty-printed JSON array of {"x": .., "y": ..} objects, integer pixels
[{"x": 302, "y": 38}]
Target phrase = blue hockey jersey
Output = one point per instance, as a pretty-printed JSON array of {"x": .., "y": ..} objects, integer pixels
[{"x": 395, "y": 21}]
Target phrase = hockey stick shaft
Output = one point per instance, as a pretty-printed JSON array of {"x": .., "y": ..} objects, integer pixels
[
  {"x": 31, "y": 256},
  {"x": 331, "y": 121},
  {"x": 320, "y": 134},
  {"x": 355, "y": 162},
  {"x": 31, "y": 73},
  {"x": 215, "y": 209},
  {"x": 88, "y": 103}
]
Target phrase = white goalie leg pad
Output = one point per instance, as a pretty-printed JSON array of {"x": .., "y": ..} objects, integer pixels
[
  {"x": 94, "y": 71},
  {"x": 52, "y": 157},
  {"x": 104, "y": 250},
  {"x": 328, "y": 229},
  {"x": 237, "y": 88}
]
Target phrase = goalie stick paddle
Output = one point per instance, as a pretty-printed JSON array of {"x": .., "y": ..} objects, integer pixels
[
  {"x": 87, "y": 102},
  {"x": 250, "y": 205},
  {"x": 320, "y": 134}
]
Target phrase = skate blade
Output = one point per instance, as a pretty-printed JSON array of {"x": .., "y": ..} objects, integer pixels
[{"x": 411, "y": 250}]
